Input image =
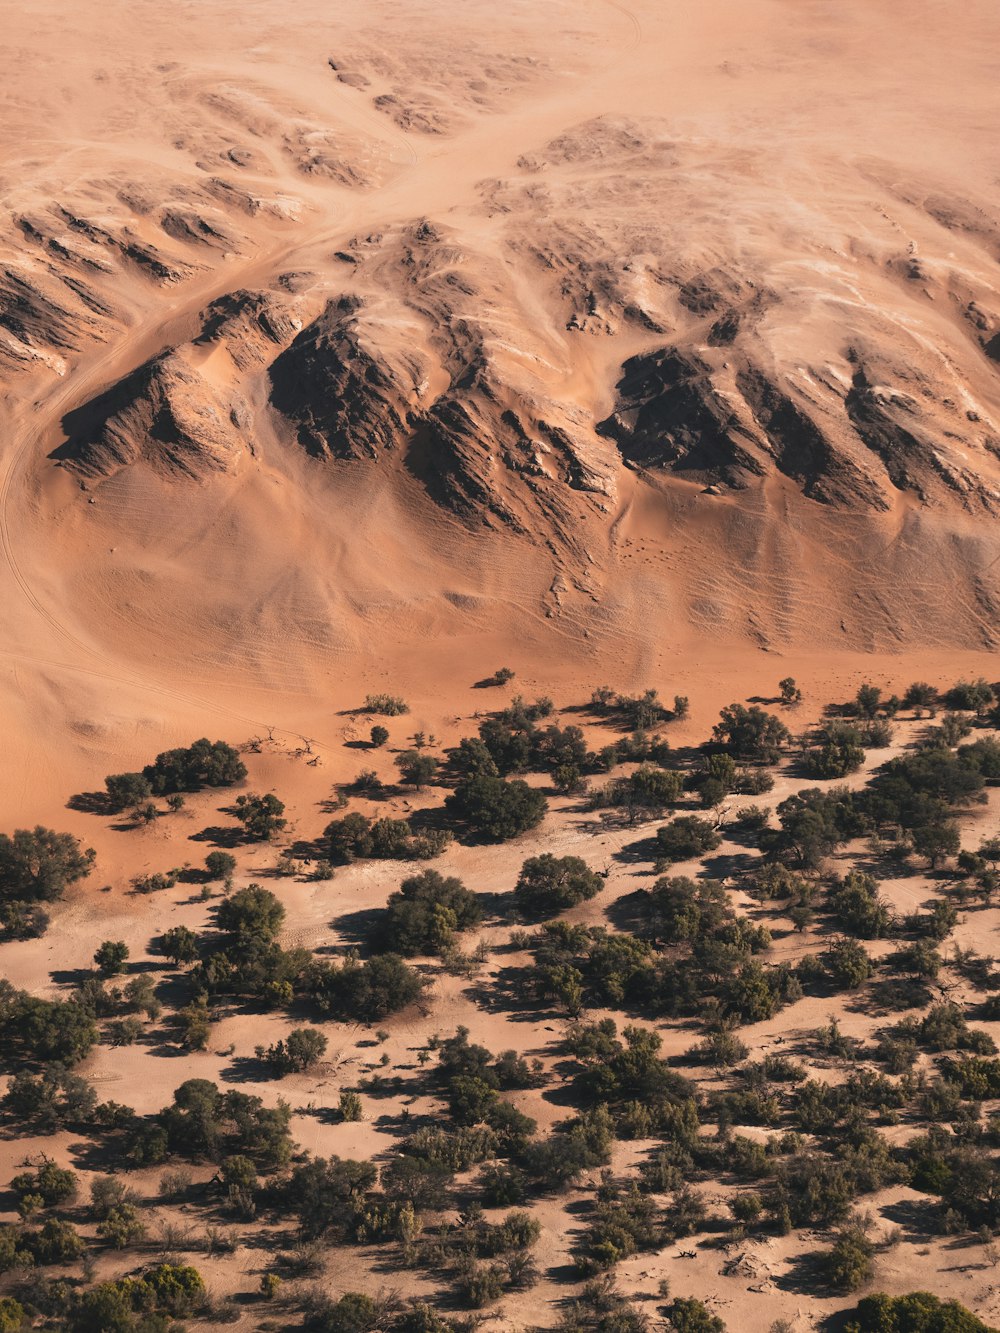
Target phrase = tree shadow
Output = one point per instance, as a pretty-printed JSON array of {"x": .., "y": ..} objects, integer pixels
[
  {"x": 75, "y": 976},
  {"x": 630, "y": 912},
  {"x": 727, "y": 865},
  {"x": 195, "y": 875},
  {"x": 220, "y": 836},
  {"x": 804, "y": 1275},
  {"x": 509, "y": 991},
  {"x": 91, "y": 803},
  {"x": 913, "y": 1216},
  {"x": 891, "y": 995},
  {"x": 643, "y": 849},
  {"x": 358, "y": 927},
  {"x": 386, "y": 791},
  {"x": 248, "y": 1069}
]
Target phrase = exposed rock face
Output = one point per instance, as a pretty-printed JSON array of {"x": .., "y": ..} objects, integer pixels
[
  {"x": 164, "y": 414},
  {"x": 464, "y": 366},
  {"x": 801, "y": 449},
  {"x": 343, "y": 395},
  {"x": 419, "y": 381},
  {"x": 251, "y": 325},
  {"x": 670, "y": 414},
  {"x": 856, "y": 436}
]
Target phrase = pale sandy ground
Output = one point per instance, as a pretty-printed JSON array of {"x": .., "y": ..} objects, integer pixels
[
  {"x": 787, "y": 140},
  {"x": 145, "y": 1075}
]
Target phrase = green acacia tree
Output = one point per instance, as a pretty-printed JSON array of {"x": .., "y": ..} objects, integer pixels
[
  {"x": 261, "y": 816},
  {"x": 38, "y": 864},
  {"x": 111, "y": 957}
]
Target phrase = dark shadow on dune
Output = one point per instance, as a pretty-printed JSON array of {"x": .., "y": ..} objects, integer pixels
[
  {"x": 220, "y": 835},
  {"x": 359, "y": 926},
  {"x": 91, "y": 803}
]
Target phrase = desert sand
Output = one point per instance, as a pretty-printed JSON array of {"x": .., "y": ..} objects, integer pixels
[{"x": 361, "y": 348}]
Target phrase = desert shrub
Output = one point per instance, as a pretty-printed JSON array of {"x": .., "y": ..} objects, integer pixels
[
  {"x": 111, "y": 957},
  {"x": 846, "y": 964},
  {"x": 204, "y": 1122},
  {"x": 936, "y": 840},
  {"x": 679, "y": 910},
  {"x": 578, "y": 1145},
  {"x": 146, "y": 1304},
  {"x": 689, "y": 1315},
  {"x": 751, "y": 733},
  {"x": 984, "y": 755},
  {"x": 416, "y": 768},
  {"x": 299, "y": 1051},
  {"x": 154, "y": 883},
  {"x": 920, "y": 695},
  {"x": 366, "y": 991},
  {"x": 855, "y": 904},
  {"x": 916, "y": 789},
  {"x": 355, "y": 836},
  {"x": 481, "y": 1284},
  {"x": 469, "y": 1073},
  {"x": 774, "y": 881},
  {"x": 547, "y": 884},
  {"x": 849, "y": 1264},
  {"x": 495, "y": 810},
  {"x": 126, "y": 790},
  {"x": 378, "y": 736},
  {"x": 813, "y": 824},
  {"x": 33, "y": 1030},
  {"x": 423, "y": 916},
  {"x": 919, "y": 959},
  {"x": 349, "y": 1105},
  {"x": 789, "y": 691},
  {"x": 502, "y": 1184},
  {"x": 574, "y": 959},
  {"x": 944, "y": 1028},
  {"x": 219, "y": 865},
  {"x": 261, "y": 816},
  {"x": 37, "y": 865},
  {"x": 720, "y": 1049},
  {"x": 602, "y": 1309},
  {"x": 756, "y": 992},
  {"x": 420, "y": 1317},
  {"x": 122, "y": 1226},
  {"x": 385, "y": 705},
  {"x": 48, "y": 1101},
  {"x": 917, "y": 1312},
  {"x": 251, "y": 911},
  {"x": 179, "y": 944},
  {"x": 323, "y": 1193},
  {"x": 48, "y": 1182},
  {"x": 12, "y": 1315},
  {"x": 354, "y": 1312},
  {"x": 836, "y": 750},
  {"x": 686, "y": 837},
  {"x": 472, "y": 758},
  {"x": 205, "y": 763},
  {"x": 22, "y": 921},
  {"x": 969, "y": 696},
  {"x": 640, "y": 711},
  {"x": 624, "y": 1222},
  {"x": 613, "y": 1072},
  {"x": 646, "y": 788},
  {"x": 349, "y": 838}
]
